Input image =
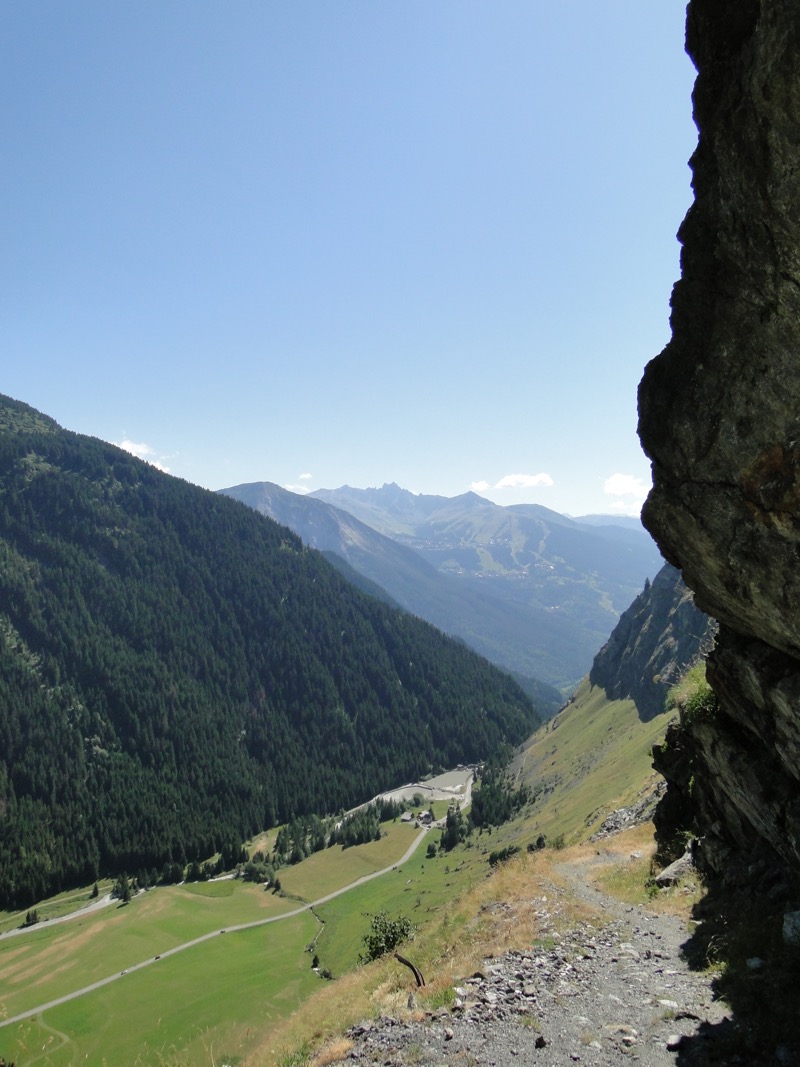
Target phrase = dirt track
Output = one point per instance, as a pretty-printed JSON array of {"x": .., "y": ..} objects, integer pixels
[{"x": 594, "y": 991}]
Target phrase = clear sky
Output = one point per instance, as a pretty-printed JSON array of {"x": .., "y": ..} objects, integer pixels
[{"x": 316, "y": 242}]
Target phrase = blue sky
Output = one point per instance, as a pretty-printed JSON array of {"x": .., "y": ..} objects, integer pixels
[{"x": 321, "y": 243}]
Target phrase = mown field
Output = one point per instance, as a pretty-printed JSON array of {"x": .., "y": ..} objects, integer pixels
[
  {"x": 204, "y": 1006},
  {"x": 222, "y": 992},
  {"x": 328, "y": 870}
]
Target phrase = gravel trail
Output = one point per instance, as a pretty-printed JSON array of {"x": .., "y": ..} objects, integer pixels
[{"x": 599, "y": 993}]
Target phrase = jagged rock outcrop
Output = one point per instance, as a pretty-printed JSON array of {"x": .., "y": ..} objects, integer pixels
[
  {"x": 655, "y": 640},
  {"x": 720, "y": 419}
]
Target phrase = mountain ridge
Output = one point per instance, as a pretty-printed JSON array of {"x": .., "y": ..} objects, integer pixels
[
  {"x": 536, "y": 592},
  {"x": 178, "y": 672}
]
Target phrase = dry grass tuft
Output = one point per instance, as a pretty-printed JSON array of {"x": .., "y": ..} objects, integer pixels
[
  {"x": 494, "y": 916},
  {"x": 331, "y": 1052}
]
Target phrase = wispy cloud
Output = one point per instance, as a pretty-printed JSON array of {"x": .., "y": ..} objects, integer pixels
[
  {"x": 524, "y": 481},
  {"x": 514, "y": 481},
  {"x": 630, "y": 492},
  {"x": 143, "y": 451},
  {"x": 301, "y": 489}
]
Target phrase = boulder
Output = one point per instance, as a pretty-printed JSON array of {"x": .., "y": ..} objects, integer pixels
[{"x": 676, "y": 872}]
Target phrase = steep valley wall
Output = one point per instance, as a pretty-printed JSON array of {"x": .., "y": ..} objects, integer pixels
[
  {"x": 660, "y": 635},
  {"x": 720, "y": 419}
]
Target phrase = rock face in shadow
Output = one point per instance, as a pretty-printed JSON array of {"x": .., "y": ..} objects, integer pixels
[
  {"x": 656, "y": 639},
  {"x": 720, "y": 420}
]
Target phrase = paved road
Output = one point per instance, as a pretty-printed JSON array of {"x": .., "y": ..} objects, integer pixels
[
  {"x": 214, "y": 933},
  {"x": 87, "y": 909}
]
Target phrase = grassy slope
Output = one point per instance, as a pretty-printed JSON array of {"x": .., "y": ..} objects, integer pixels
[
  {"x": 419, "y": 889},
  {"x": 216, "y": 998},
  {"x": 593, "y": 758},
  {"x": 51, "y": 961},
  {"x": 325, "y": 871},
  {"x": 220, "y": 997},
  {"x": 589, "y": 761}
]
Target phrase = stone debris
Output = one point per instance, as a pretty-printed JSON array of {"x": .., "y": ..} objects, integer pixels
[
  {"x": 599, "y": 996},
  {"x": 635, "y": 815}
]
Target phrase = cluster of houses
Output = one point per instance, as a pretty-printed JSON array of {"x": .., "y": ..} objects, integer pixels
[{"x": 421, "y": 818}]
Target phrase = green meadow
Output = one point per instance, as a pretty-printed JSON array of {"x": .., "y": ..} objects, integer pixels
[
  {"x": 324, "y": 872},
  {"x": 419, "y": 889},
  {"x": 50, "y": 961},
  {"x": 592, "y": 758},
  {"x": 204, "y": 1004}
]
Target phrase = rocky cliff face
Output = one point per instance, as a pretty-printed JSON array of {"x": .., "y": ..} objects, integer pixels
[
  {"x": 656, "y": 639},
  {"x": 720, "y": 419}
]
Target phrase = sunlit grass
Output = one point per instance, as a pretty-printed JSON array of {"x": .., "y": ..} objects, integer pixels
[
  {"x": 593, "y": 758},
  {"x": 230, "y": 989},
  {"x": 325, "y": 871},
  {"x": 496, "y": 910},
  {"x": 417, "y": 889},
  {"x": 50, "y": 961},
  {"x": 208, "y": 1003}
]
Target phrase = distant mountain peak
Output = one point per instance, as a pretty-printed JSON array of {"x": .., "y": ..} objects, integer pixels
[
  {"x": 536, "y": 592},
  {"x": 471, "y": 497}
]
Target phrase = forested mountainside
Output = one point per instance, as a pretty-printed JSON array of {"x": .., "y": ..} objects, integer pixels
[
  {"x": 534, "y": 591},
  {"x": 506, "y": 633},
  {"x": 178, "y": 672}
]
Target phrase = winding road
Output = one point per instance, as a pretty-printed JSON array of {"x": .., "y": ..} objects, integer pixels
[
  {"x": 79, "y": 913},
  {"x": 207, "y": 937}
]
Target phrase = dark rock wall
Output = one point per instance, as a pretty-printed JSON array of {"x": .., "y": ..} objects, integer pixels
[
  {"x": 656, "y": 639},
  {"x": 720, "y": 420}
]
